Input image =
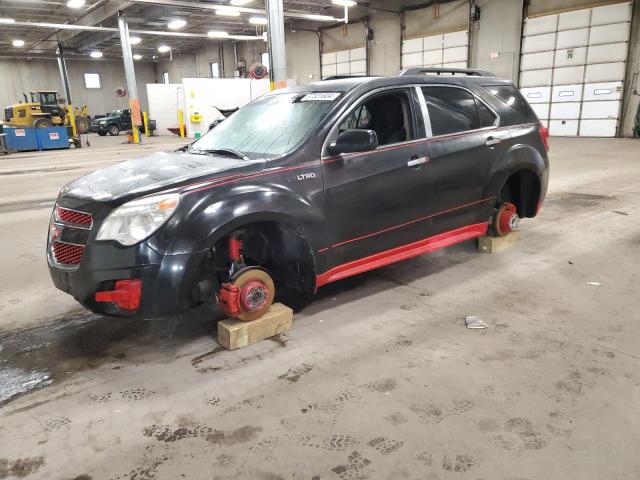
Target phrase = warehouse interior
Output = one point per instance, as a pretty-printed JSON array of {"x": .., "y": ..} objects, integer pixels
[{"x": 381, "y": 375}]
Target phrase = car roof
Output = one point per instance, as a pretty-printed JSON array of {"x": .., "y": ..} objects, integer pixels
[{"x": 346, "y": 84}]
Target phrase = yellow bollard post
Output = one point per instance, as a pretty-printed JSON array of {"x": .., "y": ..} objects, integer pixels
[
  {"x": 136, "y": 133},
  {"x": 72, "y": 120},
  {"x": 145, "y": 120},
  {"x": 181, "y": 123}
]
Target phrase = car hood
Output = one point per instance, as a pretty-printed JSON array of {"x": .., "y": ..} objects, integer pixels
[{"x": 152, "y": 173}]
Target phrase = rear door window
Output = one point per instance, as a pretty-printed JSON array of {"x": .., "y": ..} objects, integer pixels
[{"x": 454, "y": 110}]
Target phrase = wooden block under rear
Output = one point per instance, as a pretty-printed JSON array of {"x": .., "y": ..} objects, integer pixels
[
  {"x": 497, "y": 244},
  {"x": 234, "y": 334}
]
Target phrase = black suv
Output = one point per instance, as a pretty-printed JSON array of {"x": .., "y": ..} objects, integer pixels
[
  {"x": 302, "y": 187},
  {"x": 113, "y": 123}
]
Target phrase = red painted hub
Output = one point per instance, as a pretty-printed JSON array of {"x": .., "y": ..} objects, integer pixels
[
  {"x": 254, "y": 295},
  {"x": 507, "y": 219}
]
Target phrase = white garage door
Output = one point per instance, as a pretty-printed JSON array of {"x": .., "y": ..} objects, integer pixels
[
  {"x": 345, "y": 62},
  {"x": 572, "y": 68},
  {"x": 443, "y": 50}
]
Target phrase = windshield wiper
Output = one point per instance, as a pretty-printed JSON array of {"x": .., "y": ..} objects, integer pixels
[{"x": 227, "y": 152}]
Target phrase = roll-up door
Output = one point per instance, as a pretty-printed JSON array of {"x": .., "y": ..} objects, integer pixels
[
  {"x": 572, "y": 68},
  {"x": 443, "y": 50},
  {"x": 345, "y": 62}
]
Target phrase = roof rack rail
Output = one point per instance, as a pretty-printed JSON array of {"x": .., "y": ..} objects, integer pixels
[
  {"x": 342, "y": 77},
  {"x": 440, "y": 70}
]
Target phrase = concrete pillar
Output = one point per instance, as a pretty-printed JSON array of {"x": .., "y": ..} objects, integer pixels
[
  {"x": 132, "y": 90},
  {"x": 277, "y": 58}
]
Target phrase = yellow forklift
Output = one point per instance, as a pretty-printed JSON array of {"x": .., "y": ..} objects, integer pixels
[{"x": 46, "y": 110}]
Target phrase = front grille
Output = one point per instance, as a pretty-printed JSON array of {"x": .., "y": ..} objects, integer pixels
[
  {"x": 67, "y": 253},
  {"x": 73, "y": 217},
  {"x": 67, "y": 236},
  {"x": 8, "y": 113}
]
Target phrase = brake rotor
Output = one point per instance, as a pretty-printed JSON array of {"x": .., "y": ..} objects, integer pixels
[
  {"x": 257, "y": 291},
  {"x": 506, "y": 219}
]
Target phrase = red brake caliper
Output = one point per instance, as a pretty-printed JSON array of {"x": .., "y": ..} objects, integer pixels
[{"x": 508, "y": 219}]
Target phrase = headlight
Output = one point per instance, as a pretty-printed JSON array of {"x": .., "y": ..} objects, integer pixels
[
  {"x": 102, "y": 122},
  {"x": 136, "y": 220}
]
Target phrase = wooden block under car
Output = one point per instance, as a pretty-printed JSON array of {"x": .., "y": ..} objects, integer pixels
[
  {"x": 497, "y": 244},
  {"x": 234, "y": 334}
]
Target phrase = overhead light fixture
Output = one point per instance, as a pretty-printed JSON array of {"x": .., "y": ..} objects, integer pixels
[
  {"x": 137, "y": 56},
  {"x": 217, "y": 34},
  {"x": 75, "y": 3},
  {"x": 345, "y": 3},
  {"x": 319, "y": 18},
  {"x": 134, "y": 40},
  {"x": 176, "y": 24},
  {"x": 96, "y": 54},
  {"x": 227, "y": 12},
  {"x": 7, "y": 20},
  {"x": 240, "y": 3},
  {"x": 258, "y": 20},
  {"x": 164, "y": 48},
  {"x": 18, "y": 43}
]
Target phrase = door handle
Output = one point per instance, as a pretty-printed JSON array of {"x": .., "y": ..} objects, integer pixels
[
  {"x": 414, "y": 162},
  {"x": 492, "y": 141}
]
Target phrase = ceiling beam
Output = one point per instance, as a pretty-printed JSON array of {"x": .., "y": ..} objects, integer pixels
[
  {"x": 157, "y": 33},
  {"x": 213, "y": 6},
  {"x": 102, "y": 12}
]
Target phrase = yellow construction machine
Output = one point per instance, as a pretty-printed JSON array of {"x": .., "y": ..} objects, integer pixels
[{"x": 46, "y": 110}]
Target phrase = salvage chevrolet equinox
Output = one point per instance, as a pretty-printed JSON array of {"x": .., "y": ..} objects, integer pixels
[{"x": 300, "y": 188}]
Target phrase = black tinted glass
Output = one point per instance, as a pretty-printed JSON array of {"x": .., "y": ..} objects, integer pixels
[
  {"x": 451, "y": 110},
  {"x": 512, "y": 97},
  {"x": 486, "y": 116}
]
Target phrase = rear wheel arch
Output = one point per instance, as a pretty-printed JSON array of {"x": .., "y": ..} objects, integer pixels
[{"x": 523, "y": 188}]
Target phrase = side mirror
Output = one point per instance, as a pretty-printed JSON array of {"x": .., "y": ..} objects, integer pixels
[{"x": 353, "y": 141}]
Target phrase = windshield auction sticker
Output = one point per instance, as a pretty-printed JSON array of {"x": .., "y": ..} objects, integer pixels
[{"x": 320, "y": 97}]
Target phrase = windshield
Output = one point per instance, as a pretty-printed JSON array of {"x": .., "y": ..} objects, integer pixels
[
  {"x": 115, "y": 113},
  {"x": 270, "y": 126}
]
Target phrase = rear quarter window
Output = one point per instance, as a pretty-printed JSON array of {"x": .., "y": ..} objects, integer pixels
[{"x": 511, "y": 96}]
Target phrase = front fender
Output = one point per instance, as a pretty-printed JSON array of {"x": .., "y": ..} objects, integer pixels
[{"x": 209, "y": 218}]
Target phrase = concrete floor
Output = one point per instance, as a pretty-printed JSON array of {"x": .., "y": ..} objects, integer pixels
[{"x": 379, "y": 378}]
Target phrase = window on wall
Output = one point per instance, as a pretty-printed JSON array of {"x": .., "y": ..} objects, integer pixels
[
  {"x": 92, "y": 80},
  {"x": 215, "y": 70},
  {"x": 165, "y": 77}
]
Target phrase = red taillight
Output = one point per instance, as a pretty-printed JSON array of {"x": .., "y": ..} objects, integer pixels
[
  {"x": 126, "y": 295},
  {"x": 544, "y": 136}
]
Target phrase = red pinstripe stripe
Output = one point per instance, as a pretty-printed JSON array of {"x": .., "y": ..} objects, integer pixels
[
  {"x": 395, "y": 227},
  {"x": 403, "y": 252}
]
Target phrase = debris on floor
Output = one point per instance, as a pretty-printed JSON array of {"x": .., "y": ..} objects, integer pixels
[
  {"x": 595, "y": 284},
  {"x": 620, "y": 212},
  {"x": 474, "y": 322}
]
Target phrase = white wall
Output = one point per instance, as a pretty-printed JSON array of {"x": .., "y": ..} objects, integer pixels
[
  {"x": 18, "y": 76},
  {"x": 164, "y": 102},
  {"x": 201, "y": 94}
]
